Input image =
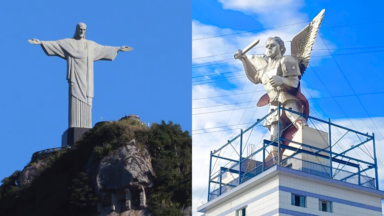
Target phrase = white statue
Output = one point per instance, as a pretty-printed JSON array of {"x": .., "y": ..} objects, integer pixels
[
  {"x": 80, "y": 55},
  {"x": 281, "y": 75}
]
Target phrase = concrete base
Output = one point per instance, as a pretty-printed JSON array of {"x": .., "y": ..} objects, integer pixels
[
  {"x": 72, "y": 135},
  {"x": 312, "y": 137},
  {"x": 309, "y": 136}
]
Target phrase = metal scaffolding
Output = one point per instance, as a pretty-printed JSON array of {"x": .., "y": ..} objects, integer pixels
[{"x": 323, "y": 162}]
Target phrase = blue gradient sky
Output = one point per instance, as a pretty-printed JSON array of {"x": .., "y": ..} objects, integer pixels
[{"x": 153, "y": 81}]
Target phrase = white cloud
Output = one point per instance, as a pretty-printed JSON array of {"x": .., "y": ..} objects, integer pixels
[
  {"x": 218, "y": 49},
  {"x": 368, "y": 125},
  {"x": 309, "y": 92},
  {"x": 277, "y": 13}
]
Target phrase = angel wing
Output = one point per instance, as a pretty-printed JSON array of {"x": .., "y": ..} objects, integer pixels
[{"x": 302, "y": 43}]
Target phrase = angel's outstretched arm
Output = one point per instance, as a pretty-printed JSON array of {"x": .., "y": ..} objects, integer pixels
[{"x": 250, "y": 70}]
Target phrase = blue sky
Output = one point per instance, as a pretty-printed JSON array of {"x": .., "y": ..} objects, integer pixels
[
  {"x": 152, "y": 81},
  {"x": 344, "y": 81}
]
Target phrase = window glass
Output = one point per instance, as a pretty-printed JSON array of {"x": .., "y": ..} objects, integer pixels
[
  {"x": 297, "y": 200},
  {"x": 325, "y": 206},
  {"x": 241, "y": 212}
]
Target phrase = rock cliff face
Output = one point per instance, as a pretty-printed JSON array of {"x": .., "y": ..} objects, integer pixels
[
  {"x": 109, "y": 172},
  {"x": 121, "y": 181},
  {"x": 30, "y": 172}
]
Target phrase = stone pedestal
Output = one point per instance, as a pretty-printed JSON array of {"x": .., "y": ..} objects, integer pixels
[
  {"x": 72, "y": 135},
  {"x": 309, "y": 136},
  {"x": 308, "y": 162}
]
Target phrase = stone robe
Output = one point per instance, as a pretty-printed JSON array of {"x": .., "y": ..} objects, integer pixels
[{"x": 80, "y": 55}]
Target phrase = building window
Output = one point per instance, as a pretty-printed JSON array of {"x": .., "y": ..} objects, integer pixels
[
  {"x": 325, "y": 206},
  {"x": 298, "y": 200},
  {"x": 241, "y": 212}
]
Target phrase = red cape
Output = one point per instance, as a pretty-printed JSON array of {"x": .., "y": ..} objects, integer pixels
[{"x": 287, "y": 134}]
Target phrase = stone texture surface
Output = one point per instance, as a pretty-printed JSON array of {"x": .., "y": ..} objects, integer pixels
[
  {"x": 128, "y": 213},
  {"x": 188, "y": 211},
  {"x": 30, "y": 172},
  {"x": 121, "y": 180}
]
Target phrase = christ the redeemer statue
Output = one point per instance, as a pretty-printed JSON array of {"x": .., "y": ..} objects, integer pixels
[{"x": 80, "y": 55}]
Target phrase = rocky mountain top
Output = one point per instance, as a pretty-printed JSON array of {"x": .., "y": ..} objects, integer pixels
[{"x": 118, "y": 169}]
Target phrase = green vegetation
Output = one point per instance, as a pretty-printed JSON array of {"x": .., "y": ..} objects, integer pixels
[
  {"x": 9, "y": 190},
  {"x": 171, "y": 151},
  {"x": 64, "y": 187}
]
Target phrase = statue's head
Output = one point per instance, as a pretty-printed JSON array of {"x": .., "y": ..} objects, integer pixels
[
  {"x": 275, "y": 47},
  {"x": 81, "y": 28}
]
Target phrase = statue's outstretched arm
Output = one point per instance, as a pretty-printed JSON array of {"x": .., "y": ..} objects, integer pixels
[
  {"x": 34, "y": 41},
  {"x": 125, "y": 49},
  {"x": 249, "y": 68},
  {"x": 51, "y": 48}
]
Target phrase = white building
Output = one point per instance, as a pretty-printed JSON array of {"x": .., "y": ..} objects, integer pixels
[
  {"x": 284, "y": 191},
  {"x": 302, "y": 184}
]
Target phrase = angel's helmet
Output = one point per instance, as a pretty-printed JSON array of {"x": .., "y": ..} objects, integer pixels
[
  {"x": 81, "y": 28},
  {"x": 275, "y": 44}
]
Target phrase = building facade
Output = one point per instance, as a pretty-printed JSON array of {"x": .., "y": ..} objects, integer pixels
[{"x": 284, "y": 191}]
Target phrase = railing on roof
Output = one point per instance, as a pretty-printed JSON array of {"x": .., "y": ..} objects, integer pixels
[
  {"x": 46, "y": 152},
  {"x": 318, "y": 161}
]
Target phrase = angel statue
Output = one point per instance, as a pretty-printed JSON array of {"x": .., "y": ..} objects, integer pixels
[{"x": 280, "y": 76}]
